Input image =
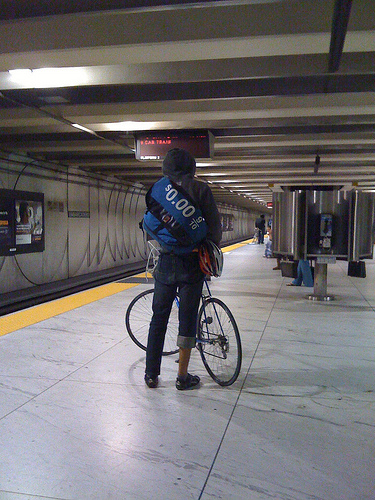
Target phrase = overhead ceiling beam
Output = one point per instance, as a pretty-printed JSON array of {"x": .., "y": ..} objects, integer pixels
[{"x": 340, "y": 21}]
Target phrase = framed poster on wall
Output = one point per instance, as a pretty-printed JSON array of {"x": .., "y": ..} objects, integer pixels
[{"x": 21, "y": 222}]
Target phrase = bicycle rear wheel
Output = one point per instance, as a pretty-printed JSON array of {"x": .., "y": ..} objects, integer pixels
[
  {"x": 218, "y": 341},
  {"x": 137, "y": 321}
]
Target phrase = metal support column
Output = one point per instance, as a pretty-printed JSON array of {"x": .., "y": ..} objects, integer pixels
[{"x": 320, "y": 283}]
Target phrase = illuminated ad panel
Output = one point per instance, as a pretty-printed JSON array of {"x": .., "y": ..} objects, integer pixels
[
  {"x": 21, "y": 222},
  {"x": 29, "y": 221},
  {"x": 6, "y": 222}
]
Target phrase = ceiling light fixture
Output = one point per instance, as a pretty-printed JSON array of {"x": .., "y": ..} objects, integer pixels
[
  {"x": 81, "y": 127},
  {"x": 128, "y": 126},
  {"x": 200, "y": 164},
  {"x": 210, "y": 174},
  {"x": 20, "y": 74},
  {"x": 43, "y": 78}
]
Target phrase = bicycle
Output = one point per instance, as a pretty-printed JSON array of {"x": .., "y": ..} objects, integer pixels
[{"x": 218, "y": 340}]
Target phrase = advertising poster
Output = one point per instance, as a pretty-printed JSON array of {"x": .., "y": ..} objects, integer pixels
[
  {"x": 29, "y": 221},
  {"x": 6, "y": 225}
]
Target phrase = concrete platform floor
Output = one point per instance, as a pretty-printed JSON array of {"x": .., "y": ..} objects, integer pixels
[{"x": 78, "y": 423}]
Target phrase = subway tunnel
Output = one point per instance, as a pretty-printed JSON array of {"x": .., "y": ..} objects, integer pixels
[{"x": 275, "y": 99}]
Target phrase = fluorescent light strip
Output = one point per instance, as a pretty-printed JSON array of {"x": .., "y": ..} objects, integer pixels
[
  {"x": 49, "y": 77},
  {"x": 80, "y": 127}
]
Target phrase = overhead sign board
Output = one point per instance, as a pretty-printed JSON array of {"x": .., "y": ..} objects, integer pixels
[{"x": 155, "y": 145}]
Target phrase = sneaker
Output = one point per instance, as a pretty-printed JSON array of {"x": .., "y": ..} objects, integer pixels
[
  {"x": 188, "y": 383},
  {"x": 151, "y": 382}
]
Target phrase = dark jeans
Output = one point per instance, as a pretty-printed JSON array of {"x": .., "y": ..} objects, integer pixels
[
  {"x": 261, "y": 236},
  {"x": 173, "y": 273}
]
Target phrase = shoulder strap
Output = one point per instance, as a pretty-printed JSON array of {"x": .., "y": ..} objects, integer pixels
[{"x": 175, "y": 208}]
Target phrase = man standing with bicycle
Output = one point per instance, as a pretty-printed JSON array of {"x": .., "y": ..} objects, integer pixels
[{"x": 180, "y": 272}]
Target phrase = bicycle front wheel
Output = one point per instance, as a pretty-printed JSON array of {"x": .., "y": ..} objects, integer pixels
[
  {"x": 218, "y": 341},
  {"x": 137, "y": 321}
]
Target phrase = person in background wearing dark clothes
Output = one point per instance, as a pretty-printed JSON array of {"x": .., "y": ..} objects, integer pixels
[
  {"x": 260, "y": 223},
  {"x": 182, "y": 273}
]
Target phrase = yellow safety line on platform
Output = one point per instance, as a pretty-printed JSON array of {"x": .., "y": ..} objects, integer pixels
[
  {"x": 32, "y": 315},
  {"x": 26, "y": 317},
  {"x": 236, "y": 245},
  {"x": 142, "y": 275}
]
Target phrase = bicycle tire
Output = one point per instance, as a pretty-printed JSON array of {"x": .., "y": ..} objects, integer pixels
[
  {"x": 137, "y": 321},
  {"x": 219, "y": 342}
]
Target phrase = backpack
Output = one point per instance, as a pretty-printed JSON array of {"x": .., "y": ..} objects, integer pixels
[{"x": 172, "y": 218}]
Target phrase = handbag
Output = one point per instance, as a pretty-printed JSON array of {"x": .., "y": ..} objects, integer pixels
[
  {"x": 289, "y": 268},
  {"x": 357, "y": 268}
]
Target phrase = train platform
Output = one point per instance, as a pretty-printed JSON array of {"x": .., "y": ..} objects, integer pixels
[{"x": 77, "y": 421}]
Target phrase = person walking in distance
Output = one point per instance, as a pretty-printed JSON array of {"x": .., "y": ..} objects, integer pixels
[
  {"x": 180, "y": 273},
  {"x": 260, "y": 223}
]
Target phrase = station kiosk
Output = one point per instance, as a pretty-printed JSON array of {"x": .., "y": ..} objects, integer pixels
[{"x": 323, "y": 225}]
